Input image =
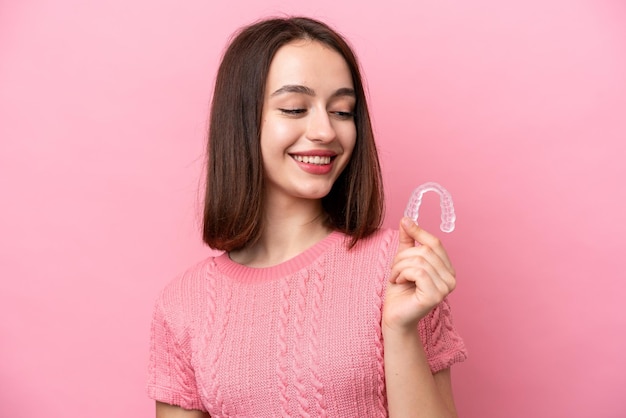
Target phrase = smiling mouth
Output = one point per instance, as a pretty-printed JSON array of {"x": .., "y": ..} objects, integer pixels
[{"x": 317, "y": 159}]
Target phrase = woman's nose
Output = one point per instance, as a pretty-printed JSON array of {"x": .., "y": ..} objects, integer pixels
[{"x": 320, "y": 127}]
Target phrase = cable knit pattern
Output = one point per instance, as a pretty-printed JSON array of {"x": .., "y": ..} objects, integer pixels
[
  {"x": 215, "y": 394},
  {"x": 298, "y": 366},
  {"x": 210, "y": 316},
  {"x": 378, "y": 341},
  {"x": 299, "y": 339},
  {"x": 318, "y": 287},
  {"x": 282, "y": 344}
]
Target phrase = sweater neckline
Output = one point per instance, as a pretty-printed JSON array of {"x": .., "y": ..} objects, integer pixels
[{"x": 244, "y": 273}]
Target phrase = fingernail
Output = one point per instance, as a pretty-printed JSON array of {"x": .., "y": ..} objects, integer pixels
[{"x": 408, "y": 222}]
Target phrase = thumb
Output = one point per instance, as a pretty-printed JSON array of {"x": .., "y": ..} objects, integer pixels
[{"x": 406, "y": 230}]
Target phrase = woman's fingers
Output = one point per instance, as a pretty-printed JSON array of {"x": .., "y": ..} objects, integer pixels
[
  {"x": 421, "y": 276},
  {"x": 422, "y": 260},
  {"x": 409, "y": 230},
  {"x": 416, "y": 269},
  {"x": 426, "y": 258}
]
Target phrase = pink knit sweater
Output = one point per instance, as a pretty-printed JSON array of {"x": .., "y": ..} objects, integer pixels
[{"x": 299, "y": 339}]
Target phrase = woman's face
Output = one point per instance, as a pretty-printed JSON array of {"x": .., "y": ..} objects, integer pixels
[{"x": 308, "y": 130}]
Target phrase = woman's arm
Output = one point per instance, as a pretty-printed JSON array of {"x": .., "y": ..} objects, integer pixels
[
  {"x": 412, "y": 390},
  {"x": 421, "y": 277},
  {"x": 164, "y": 410}
]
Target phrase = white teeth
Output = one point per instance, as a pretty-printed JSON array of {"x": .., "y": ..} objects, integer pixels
[{"x": 312, "y": 159}]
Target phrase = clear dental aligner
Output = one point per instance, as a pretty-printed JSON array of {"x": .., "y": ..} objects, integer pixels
[{"x": 447, "y": 208}]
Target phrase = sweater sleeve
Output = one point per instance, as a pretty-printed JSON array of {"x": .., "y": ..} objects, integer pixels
[
  {"x": 171, "y": 378},
  {"x": 442, "y": 343}
]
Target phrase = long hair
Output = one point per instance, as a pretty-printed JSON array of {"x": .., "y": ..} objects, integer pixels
[{"x": 233, "y": 205}]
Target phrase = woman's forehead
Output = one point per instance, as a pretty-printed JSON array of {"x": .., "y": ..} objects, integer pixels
[{"x": 306, "y": 62}]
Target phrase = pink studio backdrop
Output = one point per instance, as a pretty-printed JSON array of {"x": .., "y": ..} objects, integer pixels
[{"x": 517, "y": 107}]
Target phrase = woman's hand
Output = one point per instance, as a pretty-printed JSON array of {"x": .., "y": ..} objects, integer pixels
[{"x": 421, "y": 277}]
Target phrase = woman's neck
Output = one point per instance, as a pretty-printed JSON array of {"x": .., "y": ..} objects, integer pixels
[{"x": 288, "y": 231}]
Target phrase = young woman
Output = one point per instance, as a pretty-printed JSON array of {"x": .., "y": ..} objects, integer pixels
[{"x": 312, "y": 309}]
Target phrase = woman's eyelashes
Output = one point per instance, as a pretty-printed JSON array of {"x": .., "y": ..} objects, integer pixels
[
  {"x": 343, "y": 115},
  {"x": 292, "y": 112},
  {"x": 295, "y": 112}
]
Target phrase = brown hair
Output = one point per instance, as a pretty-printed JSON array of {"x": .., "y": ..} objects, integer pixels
[{"x": 233, "y": 205}]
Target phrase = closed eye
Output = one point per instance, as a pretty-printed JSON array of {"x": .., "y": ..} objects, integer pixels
[
  {"x": 292, "y": 112},
  {"x": 343, "y": 115}
]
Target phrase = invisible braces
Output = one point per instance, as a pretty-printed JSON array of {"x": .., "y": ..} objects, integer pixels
[{"x": 445, "y": 199}]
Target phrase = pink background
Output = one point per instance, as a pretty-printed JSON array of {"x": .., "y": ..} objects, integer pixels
[{"x": 517, "y": 107}]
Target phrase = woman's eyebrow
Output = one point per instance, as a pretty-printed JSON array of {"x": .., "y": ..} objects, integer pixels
[
  {"x": 345, "y": 91},
  {"x": 294, "y": 88},
  {"x": 297, "y": 88}
]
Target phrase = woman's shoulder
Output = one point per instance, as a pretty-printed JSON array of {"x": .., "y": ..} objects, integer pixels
[
  {"x": 378, "y": 247},
  {"x": 186, "y": 293},
  {"x": 382, "y": 237},
  {"x": 387, "y": 233}
]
